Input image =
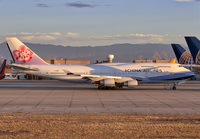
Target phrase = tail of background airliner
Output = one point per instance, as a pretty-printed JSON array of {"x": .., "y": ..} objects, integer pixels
[
  {"x": 194, "y": 46},
  {"x": 172, "y": 61},
  {"x": 21, "y": 54},
  {"x": 183, "y": 56},
  {"x": 2, "y": 70}
]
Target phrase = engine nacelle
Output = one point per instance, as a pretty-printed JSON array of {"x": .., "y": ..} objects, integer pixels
[
  {"x": 108, "y": 82},
  {"x": 131, "y": 83}
]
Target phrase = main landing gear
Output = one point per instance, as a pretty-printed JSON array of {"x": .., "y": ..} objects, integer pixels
[
  {"x": 102, "y": 87},
  {"x": 106, "y": 88}
]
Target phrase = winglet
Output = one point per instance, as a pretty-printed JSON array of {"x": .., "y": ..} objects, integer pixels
[
  {"x": 2, "y": 69},
  {"x": 21, "y": 54},
  {"x": 194, "y": 46}
]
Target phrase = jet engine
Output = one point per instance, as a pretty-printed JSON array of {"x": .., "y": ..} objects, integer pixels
[
  {"x": 108, "y": 82},
  {"x": 131, "y": 83}
]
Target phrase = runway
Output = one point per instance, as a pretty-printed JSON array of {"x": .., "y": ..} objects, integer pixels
[{"x": 49, "y": 96}]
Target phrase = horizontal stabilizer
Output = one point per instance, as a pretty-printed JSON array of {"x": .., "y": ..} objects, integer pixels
[{"x": 19, "y": 68}]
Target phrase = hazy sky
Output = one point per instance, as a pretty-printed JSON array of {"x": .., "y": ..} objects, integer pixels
[{"x": 99, "y": 22}]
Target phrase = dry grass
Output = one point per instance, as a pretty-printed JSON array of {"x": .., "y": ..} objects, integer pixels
[{"x": 20, "y": 125}]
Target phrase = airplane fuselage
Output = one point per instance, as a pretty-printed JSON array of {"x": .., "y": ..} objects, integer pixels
[{"x": 143, "y": 71}]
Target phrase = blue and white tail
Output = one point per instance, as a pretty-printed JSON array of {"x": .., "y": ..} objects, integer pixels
[
  {"x": 2, "y": 70},
  {"x": 183, "y": 56},
  {"x": 21, "y": 54},
  {"x": 194, "y": 46}
]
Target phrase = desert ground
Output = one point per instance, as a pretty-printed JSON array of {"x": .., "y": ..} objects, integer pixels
[
  {"x": 104, "y": 125},
  {"x": 53, "y": 109}
]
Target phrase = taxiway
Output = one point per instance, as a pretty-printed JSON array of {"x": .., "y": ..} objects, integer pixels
[{"x": 54, "y": 96}]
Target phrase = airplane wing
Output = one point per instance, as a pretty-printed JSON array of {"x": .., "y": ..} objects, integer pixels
[
  {"x": 195, "y": 69},
  {"x": 118, "y": 79}
]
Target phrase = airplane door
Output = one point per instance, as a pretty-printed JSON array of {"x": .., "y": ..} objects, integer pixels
[
  {"x": 47, "y": 72},
  {"x": 114, "y": 72}
]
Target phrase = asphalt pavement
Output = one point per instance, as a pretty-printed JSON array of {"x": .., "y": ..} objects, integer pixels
[{"x": 49, "y": 96}]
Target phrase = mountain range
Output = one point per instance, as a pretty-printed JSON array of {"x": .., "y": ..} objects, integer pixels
[{"x": 122, "y": 52}]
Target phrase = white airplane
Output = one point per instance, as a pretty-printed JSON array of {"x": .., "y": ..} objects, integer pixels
[{"x": 106, "y": 75}]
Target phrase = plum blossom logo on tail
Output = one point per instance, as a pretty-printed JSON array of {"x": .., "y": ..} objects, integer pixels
[{"x": 23, "y": 54}]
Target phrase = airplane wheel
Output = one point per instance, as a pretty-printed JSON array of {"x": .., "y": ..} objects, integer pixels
[
  {"x": 113, "y": 88},
  {"x": 174, "y": 87},
  {"x": 100, "y": 87}
]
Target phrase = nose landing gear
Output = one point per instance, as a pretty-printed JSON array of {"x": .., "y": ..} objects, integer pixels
[{"x": 174, "y": 87}]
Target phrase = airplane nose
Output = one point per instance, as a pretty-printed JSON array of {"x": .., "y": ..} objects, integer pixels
[{"x": 192, "y": 74}]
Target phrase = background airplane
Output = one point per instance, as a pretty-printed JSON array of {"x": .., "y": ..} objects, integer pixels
[
  {"x": 183, "y": 56},
  {"x": 2, "y": 70},
  {"x": 190, "y": 60},
  {"x": 106, "y": 75},
  {"x": 194, "y": 46}
]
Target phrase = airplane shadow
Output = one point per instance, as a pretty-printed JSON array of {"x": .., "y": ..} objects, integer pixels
[
  {"x": 58, "y": 85},
  {"x": 42, "y": 88}
]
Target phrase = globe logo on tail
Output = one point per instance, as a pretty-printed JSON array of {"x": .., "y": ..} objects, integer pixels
[{"x": 23, "y": 54}]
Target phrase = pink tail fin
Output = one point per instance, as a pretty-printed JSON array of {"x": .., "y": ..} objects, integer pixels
[{"x": 21, "y": 54}]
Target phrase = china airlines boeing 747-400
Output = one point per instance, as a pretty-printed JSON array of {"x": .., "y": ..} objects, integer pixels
[{"x": 107, "y": 75}]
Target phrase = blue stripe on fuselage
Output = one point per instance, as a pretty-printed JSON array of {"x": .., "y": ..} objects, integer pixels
[{"x": 176, "y": 76}]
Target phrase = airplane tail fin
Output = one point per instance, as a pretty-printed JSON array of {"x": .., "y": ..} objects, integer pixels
[
  {"x": 172, "y": 61},
  {"x": 2, "y": 69},
  {"x": 183, "y": 56},
  {"x": 21, "y": 54},
  {"x": 178, "y": 50},
  {"x": 194, "y": 46}
]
